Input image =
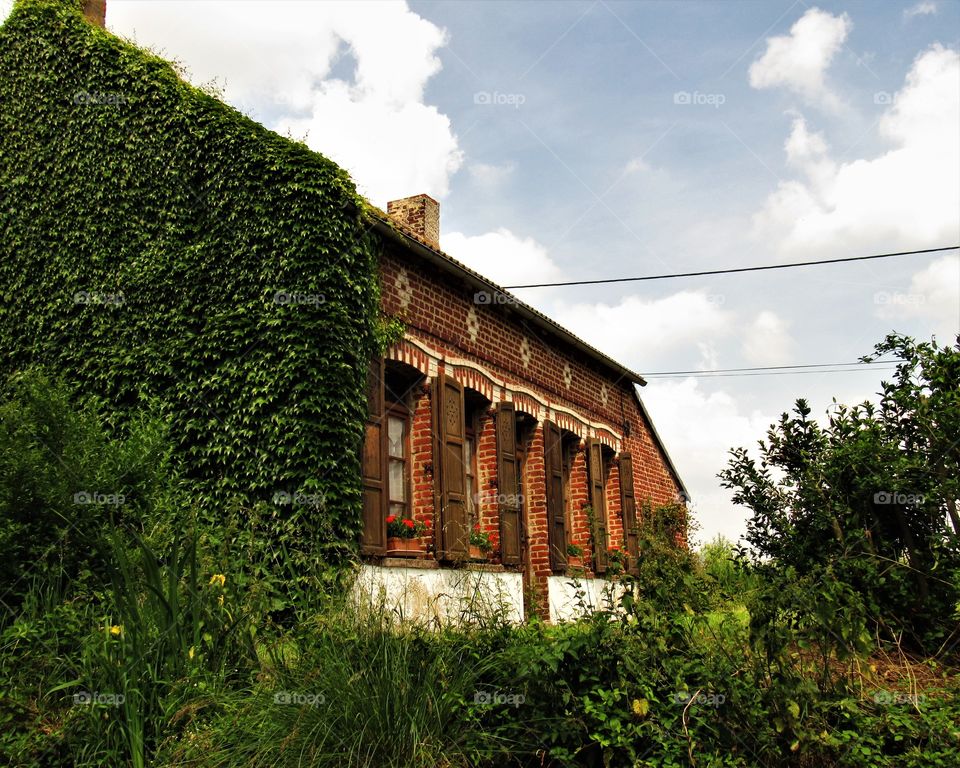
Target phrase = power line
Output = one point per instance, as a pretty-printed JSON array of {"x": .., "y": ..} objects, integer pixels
[
  {"x": 731, "y": 271},
  {"x": 764, "y": 368},
  {"x": 772, "y": 373}
]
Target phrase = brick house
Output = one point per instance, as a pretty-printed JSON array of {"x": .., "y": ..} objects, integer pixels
[{"x": 489, "y": 414}]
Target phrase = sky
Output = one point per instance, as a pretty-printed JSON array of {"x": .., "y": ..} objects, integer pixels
[{"x": 586, "y": 140}]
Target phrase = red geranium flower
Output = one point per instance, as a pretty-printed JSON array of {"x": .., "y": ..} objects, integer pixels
[
  {"x": 391, "y": 518},
  {"x": 408, "y": 522}
]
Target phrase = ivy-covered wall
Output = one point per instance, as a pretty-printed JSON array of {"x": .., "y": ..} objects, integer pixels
[{"x": 155, "y": 242}]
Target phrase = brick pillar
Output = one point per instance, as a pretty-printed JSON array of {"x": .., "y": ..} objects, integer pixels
[
  {"x": 580, "y": 498},
  {"x": 487, "y": 508},
  {"x": 421, "y": 457},
  {"x": 538, "y": 546}
]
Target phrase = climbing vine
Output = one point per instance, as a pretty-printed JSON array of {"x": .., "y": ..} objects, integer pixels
[{"x": 159, "y": 244}]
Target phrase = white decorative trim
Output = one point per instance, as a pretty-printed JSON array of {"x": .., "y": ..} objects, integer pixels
[
  {"x": 404, "y": 288},
  {"x": 526, "y": 354},
  {"x": 473, "y": 324},
  {"x": 498, "y": 390}
]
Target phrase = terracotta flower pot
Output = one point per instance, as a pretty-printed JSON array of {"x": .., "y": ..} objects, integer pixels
[
  {"x": 397, "y": 547},
  {"x": 575, "y": 562},
  {"x": 476, "y": 553}
]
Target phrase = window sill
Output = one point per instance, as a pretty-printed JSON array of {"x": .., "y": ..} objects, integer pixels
[
  {"x": 408, "y": 562},
  {"x": 486, "y": 567},
  {"x": 428, "y": 564}
]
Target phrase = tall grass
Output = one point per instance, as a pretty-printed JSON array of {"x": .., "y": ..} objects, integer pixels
[
  {"x": 172, "y": 637},
  {"x": 359, "y": 690}
]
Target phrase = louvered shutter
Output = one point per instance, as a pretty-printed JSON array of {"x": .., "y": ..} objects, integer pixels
[
  {"x": 509, "y": 501},
  {"x": 598, "y": 502},
  {"x": 628, "y": 504},
  {"x": 449, "y": 469},
  {"x": 556, "y": 512},
  {"x": 373, "y": 538}
]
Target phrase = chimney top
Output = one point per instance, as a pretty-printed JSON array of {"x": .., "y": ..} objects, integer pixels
[
  {"x": 96, "y": 12},
  {"x": 420, "y": 215}
]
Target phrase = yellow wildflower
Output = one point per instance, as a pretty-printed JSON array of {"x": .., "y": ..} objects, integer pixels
[
  {"x": 220, "y": 600},
  {"x": 219, "y": 579},
  {"x": 190, "y": 652},
  {"x": 116, "y": 629}
]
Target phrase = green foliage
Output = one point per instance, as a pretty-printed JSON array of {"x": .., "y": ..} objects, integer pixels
[
  {"x": 726, "y": 571},
  {"x": 871, "y": 496},
  {"x": 353, "y": 690},
  {"x": 174, "y": 636},
  {"x": 157, "y": 243},
  {"x": 65, "y": 480}
]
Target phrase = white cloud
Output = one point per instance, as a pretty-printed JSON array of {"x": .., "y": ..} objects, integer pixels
[
  {"x": 905, "y": 198},
  {"x": 933, "y": 298},
  {"x": 699, "y": 428},
  {"x": 799, "y": 61},
  {"x": 348, "y": 77},
  {"x": 766, "y": 340},
  {"x": 636, "y": 165},
  {"x": 503, "y": 257},
  {"x": 923, "y": 8},
  {"x": 491, "y": 175},
  {"x": 644, "y": 332}
]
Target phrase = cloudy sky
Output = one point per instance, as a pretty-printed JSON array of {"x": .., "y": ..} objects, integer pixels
[{"x": 582, "y": 140}]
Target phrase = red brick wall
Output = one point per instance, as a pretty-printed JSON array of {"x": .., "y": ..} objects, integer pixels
[{"x": 445, "y": 318}]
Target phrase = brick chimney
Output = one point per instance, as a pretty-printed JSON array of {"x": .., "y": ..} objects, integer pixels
[
  {"x": 420, "y": 214},
  {"x": 96, "y": 12}
]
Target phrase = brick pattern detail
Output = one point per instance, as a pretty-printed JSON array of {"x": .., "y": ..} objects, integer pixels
[{"x": 436, "y": 315}]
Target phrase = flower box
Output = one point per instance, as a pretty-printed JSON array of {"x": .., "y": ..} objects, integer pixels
[
  {"x": 476, "y": 553},
  {"x": 397, "y": 547}
]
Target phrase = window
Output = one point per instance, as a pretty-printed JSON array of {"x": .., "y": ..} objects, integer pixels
[
  {"x": 392, "y": 390},
  {"x": 449, "y": 473},
  {"x": 511, "y": 433},
  {"x": 559, "y": 448},
  {"x": 628, "y": 508},
  {"x": 398, "y": 461},
  {"x": 597, "y": 470}
]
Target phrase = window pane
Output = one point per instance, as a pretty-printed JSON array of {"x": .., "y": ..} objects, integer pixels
[
  {"x": 398, "y": 509},
  {"x": 395, "y": 430},
  {"x": 397, "y": 486}
]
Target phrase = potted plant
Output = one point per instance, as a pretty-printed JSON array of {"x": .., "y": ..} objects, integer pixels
[
  {"x": 616, "y": 561},
  {"x": 574, "y": 555},
  {"x": 403, "y": 536},
  {"x": 480, "y": 544}
]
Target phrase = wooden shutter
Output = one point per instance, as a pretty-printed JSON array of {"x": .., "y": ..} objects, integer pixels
[
  {"x": 598, "y": 502},
  {"x": 509, "y": 501},
  {"x": 373, "y": 538},
  {"x": 556, "y": 509},
  {"x": 628, "y": 505},
  {"x": 449, "y": 470}
]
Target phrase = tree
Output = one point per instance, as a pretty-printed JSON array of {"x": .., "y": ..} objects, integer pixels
[{"x": 873, "y": 494}]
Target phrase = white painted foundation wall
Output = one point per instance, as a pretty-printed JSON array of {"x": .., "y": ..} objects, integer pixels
[{"x": 447, "y": 596}]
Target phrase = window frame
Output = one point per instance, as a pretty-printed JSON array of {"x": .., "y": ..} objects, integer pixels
[{"x": 401, "y": 411}]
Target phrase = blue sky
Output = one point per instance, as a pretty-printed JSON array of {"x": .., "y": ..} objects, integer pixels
[{"x": 579, "y": 140}]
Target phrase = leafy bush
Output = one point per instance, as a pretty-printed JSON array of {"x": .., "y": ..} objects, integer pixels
[
  {"x": 66, "y": 478},
  {"x": 872, "y": 495}
]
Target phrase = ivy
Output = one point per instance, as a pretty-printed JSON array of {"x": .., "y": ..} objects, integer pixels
[{"x": 159, "y": 244}]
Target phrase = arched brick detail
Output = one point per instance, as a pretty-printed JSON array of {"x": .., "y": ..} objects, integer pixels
[{"x": 407, "y": 353}]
